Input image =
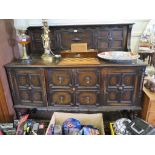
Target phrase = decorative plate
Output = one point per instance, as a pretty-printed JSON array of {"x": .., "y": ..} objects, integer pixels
[{"x": 118, "y": 56}]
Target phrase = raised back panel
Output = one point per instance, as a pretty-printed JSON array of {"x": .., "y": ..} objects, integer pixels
[{"x": 100, "y": 37}]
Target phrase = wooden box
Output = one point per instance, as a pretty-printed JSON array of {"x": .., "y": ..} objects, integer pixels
[{"x": 148, "y": 111}]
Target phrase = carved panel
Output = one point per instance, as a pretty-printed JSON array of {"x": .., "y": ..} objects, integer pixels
[
  {"x": 22, "y": 80},
  {"x": 87, "y": 98},
  {"x": 114, "y": 79},
  {"x": 127, "y": 96},
  {"x": 113, "y": 95},
  {"x": 24, "y": 96},
  {"x": 35, "y": 80},
  {"x": 37, "y": 97},
  {"x": 103, "y": 33},
  {"x": 87, "y": 78},
  {"x": 120, "y": 86},
  {"x": 117, "y": 33},
  {"x": 36, "y": 45},
  {"x": 74, "y": 35},
  {"x": 61, "y": 98},
  {"x": 102, "y": 44},
  {"x": 128, "y": 79},
  {"x": 101, "y": 37},
  {"x": 60, "y": 78},
  {"x": 30, "y": 87},
  {"x": 116, "y": 44}
]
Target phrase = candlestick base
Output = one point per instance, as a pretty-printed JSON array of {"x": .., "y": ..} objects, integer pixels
[{"x": 47, "y": 57}]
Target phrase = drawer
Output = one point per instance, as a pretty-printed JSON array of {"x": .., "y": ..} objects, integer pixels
[
  {"x": 61, "y": 98},
  {"x": 87, "y": 78},
  {"x": 87, "y": 98},
  {"x": 151, "y": 118},
  {"x": 60, "y": 78},
  {"x": 152, "y": 106}
]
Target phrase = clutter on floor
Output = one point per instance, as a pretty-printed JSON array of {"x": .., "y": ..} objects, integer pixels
[
  {"x": 136, "y": 126},
  {"x": 75, "y": 124}
]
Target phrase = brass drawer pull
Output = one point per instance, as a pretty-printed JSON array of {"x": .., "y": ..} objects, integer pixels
[
  {"x": 87, "y": 79},
  {"x": 61, "y": 79},
  {"x": 88, "y": 99},
  {"x": 61, "y": 99},
  {"x": 29, "y": 88},
  {"x": 120, "y": 88},
  {"x": 73, "y": 89}
]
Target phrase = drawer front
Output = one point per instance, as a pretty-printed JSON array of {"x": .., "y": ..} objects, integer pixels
[
  {"x": 151, "y": 118},
  {"x": 60, "y": 78},
  {"x": 89, "y": 98},
  {"x": 87, "y": 78},
  {"x": 61, "y": 98}
]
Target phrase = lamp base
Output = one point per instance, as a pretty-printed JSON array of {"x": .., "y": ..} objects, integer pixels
[{"x": 25, "y": 61}]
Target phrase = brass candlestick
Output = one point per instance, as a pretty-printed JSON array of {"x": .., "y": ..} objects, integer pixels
[{"x": 48, "y": 54}]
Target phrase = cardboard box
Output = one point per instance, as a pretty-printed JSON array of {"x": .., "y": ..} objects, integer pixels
[{"x": 86, "y": 119}]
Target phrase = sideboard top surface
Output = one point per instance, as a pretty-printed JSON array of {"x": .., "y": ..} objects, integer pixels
[{"x": 37, "y": 62}]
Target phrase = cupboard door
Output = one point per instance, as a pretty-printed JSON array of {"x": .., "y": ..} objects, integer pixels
[
  {"x": 119, "y": 86},
  {"x": 30, "y": 87},
  {"x": 111, "y": 39}
]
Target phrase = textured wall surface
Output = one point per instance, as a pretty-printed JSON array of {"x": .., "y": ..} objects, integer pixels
[{"x": 8, "y": 52}]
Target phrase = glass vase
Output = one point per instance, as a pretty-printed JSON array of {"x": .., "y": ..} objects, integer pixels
[{"x": 23, "y": 39}]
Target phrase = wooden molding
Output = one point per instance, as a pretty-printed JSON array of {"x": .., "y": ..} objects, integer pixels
[{"x": 4, "y": 113}]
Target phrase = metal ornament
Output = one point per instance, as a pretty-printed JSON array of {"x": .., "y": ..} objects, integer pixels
[{"x": 48, "y": 54}]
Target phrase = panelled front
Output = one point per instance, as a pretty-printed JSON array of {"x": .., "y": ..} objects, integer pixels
[
  {"x": 100, "y": 37},
  {"x": 68, "y": 36},
  {"x": 36, "y": 44},
  {"x": 87, "y": 85},
  {"x": 29, "y": 87},
  {"x": 120, "y": 86},
  {"x": 74, "y": 87},
  {"x": 111, "y": 39},
  {"x": 100, "y": 87},
  {"x": 60, "y": 84}
]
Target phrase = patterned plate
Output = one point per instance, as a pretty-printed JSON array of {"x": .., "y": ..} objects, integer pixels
[{"x": 118, "y": 56}]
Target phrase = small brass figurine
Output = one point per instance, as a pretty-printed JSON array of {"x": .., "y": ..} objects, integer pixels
[{"x": 48, "y": 54}]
